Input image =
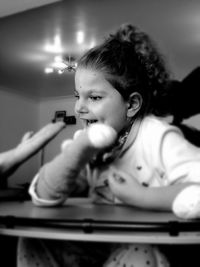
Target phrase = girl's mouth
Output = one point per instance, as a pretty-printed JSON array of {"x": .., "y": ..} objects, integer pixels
[{"x": 89, "y": 122}]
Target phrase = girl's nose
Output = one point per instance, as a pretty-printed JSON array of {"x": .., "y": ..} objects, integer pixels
[{"x": 80, "y": 106}]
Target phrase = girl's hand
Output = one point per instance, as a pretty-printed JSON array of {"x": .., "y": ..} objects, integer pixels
[
  {"x": 30, "y": 144},
  {"x": 125, "y": 187}
]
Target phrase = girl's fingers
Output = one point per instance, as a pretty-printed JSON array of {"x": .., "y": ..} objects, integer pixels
[
  {"x": 50, "y": 130},
  {"x": 27, "y": 136},
  {"x": 32, "y": 143},
  {"x": 118, "y": 178}
]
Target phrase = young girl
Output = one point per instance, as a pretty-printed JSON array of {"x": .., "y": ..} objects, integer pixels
[{"x": 124, "y": 154}]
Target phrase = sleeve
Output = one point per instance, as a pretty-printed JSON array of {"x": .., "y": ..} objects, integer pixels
[
  {"x": 39, "y": 201},
  {"x": 181, "y": 159},
  {"x": 169, "y": 153},
  {"x": 57, "y": 179},
  {"x": 81, "y": 186}
]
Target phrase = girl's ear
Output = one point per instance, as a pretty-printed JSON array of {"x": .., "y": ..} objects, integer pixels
[{"x": 134, "y": 104}]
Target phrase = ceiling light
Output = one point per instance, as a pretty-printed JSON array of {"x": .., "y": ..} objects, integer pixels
[
  {"x": 48, "y": 70},
  {"x": 55, "y": 46},
  {"x": 92, "y": 44},
  {"x": 61, "y": 65},
  {"x": 80, "y": 37}
]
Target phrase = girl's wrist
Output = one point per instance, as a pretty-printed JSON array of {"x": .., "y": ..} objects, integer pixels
[
  {"x": 8, "y": 161},
  {"x": 138, "y": 197}
]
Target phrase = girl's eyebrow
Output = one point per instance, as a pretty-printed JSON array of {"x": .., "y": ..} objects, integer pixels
[{"x": 91, "y": 91}]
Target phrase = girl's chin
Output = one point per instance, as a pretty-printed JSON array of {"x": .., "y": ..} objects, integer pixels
[{"x": 84, "y": 125}]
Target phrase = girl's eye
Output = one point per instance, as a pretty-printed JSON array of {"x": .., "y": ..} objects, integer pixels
[{"x": 95, "y": 98}]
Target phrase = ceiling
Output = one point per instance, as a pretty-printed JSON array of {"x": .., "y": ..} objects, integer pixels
[{"x": 28, "y": 31}]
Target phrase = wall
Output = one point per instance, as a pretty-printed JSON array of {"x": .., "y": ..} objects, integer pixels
[
  {"x": 18, "y": 114},
  {"x": 47, "y": 108}
]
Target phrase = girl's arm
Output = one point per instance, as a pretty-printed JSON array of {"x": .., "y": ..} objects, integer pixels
[
  {"x": 29, "y": 146},
  {"x": 129, "y": 191},
  {"x": 181, "y": 164},
  {"x": 59, "y": 178}
]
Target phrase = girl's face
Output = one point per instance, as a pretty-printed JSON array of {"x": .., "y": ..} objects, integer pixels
[{"x": 98, "y": 101}]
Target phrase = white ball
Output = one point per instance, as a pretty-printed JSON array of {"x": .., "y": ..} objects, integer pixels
[{"x": 101, "y": 135}]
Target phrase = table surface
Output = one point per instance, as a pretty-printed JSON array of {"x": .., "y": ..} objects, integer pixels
[{"x": 81, "y": 220}]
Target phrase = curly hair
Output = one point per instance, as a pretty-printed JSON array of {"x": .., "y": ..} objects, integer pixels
[{"x": 131, "y": 63}]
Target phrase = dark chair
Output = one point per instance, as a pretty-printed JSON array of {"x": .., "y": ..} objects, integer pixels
[{"x": 183, "y": 101}]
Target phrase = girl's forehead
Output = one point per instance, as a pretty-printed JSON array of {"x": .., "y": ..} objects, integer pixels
[
  {"x": 90, "y": 78},
  {"x": 88, "y": 74}
]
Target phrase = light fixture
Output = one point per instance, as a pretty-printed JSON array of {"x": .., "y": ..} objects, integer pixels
[
  {"x": 55, "y": 46},
  {"x": 80, "y": 37},
  {"x": 62, "y": 64}
]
